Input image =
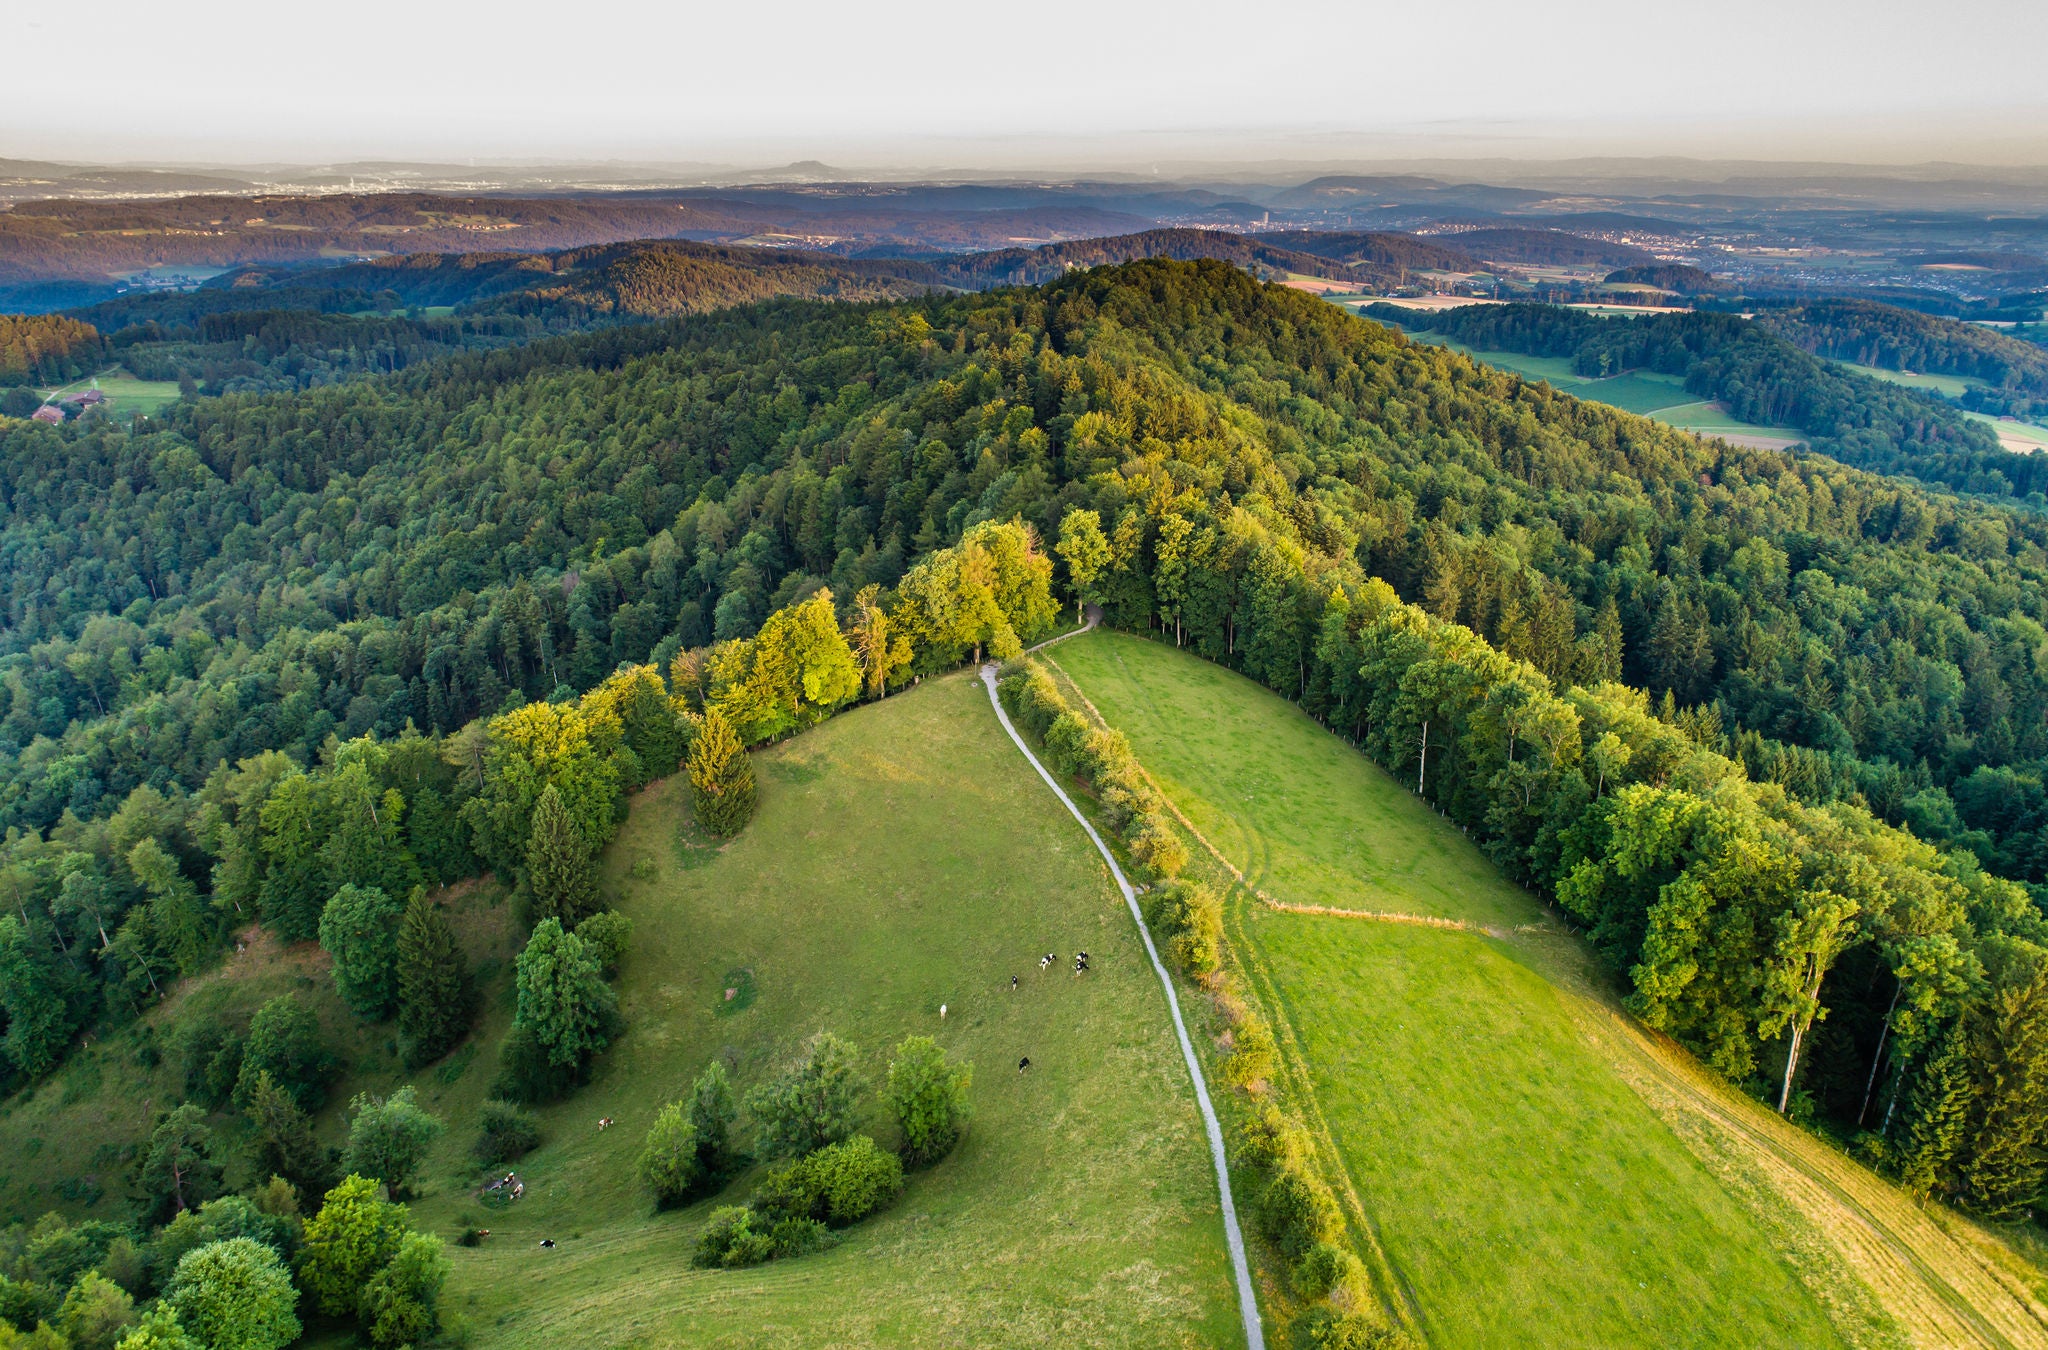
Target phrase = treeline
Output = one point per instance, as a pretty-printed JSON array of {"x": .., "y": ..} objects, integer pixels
[
  {"x": 1890, "y": 338},
  {"x": 46, "y": 349},
  {"x": 1760, "y": 377}
]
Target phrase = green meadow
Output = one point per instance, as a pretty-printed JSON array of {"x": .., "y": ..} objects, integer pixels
[
  {"x": 1523, "y": 1189},
  {"x": 904, "y": 857}
]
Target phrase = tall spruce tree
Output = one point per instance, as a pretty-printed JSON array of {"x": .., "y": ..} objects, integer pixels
[
  {"x": 1937, "y": 1118},
  {"x": 558, "y": 864},
  {"x": 2009, "y": 1047},
  {"x": 284, "y": 1140},
  {"x": 435, "y": 999},
  {"x": 721, "y": 776}
]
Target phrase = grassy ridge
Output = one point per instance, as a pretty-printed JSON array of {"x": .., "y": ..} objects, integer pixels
[
  {"x": 1522, "y": 1192},
  {"x": 904, "y": 856}
]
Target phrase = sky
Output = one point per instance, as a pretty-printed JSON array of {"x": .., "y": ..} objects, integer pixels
[{"x": 681, "y": 80}]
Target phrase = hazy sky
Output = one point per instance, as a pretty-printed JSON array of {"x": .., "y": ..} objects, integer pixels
[{"x": 234, "y": 79}]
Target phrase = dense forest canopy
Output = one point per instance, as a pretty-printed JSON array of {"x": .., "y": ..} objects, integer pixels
[
  {"x": 1761, "y": 378},
  {"x": 438, "y": 584},
  {"x": 45, "y": 348}
]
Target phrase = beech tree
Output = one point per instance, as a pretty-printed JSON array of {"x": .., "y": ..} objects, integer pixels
[
  {"x": 929, "y": 1097},
  {"x": 389, "y": 1137},
  {"x": 235, "y": 1295},
  {"x": 1085, "y": 551},
  {"x": 359, "y": 929}
]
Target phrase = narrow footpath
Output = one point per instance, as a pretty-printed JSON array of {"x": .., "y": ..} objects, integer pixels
[{"x": 1247, "y": 1301}]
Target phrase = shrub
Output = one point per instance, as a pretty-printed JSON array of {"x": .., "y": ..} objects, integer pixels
[
  {"x": 606, "y": 933},
  {"x": 856, "y": 1179},
  {"x": 1154, "y": 843},
  {"x": 799, "y": 1237},
  {"x": 503, "y": 1133},
  {"x": 1269, "y": 1140},
  {"x": 1296, "y": 1211},
  {"x": 929, "y": 1097},
  {"x": 841, "y": 1184},
  {"x": 1253, "y": 1058},
  {"x": 1325, "y": 1328},
  {"x": 668, "y": 1159},
  {"x": 731, "y": 1239},
  {"x": 1064, "y": 741},
  {"x": 1188, "y": 916},
  {"x": 1323, "y": 1268}
]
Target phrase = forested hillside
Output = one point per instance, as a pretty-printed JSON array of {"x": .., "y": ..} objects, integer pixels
[
  {"x": 1762, "y": 378},
  {"x": 299, "y": 328},
  {"x": 1873, "y": 334},
  {"x": 258, "y": 574},
  {"x": 1030, "y": 266}
]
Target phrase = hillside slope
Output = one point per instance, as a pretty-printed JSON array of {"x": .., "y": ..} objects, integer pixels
[
  {"x": 904, "y": 857},
  {"x": 1536, "y": 1167}
]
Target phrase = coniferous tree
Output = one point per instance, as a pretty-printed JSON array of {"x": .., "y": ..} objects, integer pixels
[
  {"x": 2009, "y": 1044},
  {"x": 721, "y": 776},
  {"x": 1937, "y": 1118},
  {"x": 559, "y": 870},
  {"x": 294, "y": 889},
  {"x": 285, "y": 1145},
  {"x": 435, "y": 998},
  {"x": 564, "y": 1003},
  {"x": 178, "y": 1170},
  {"x": 713, "y": 1109}
]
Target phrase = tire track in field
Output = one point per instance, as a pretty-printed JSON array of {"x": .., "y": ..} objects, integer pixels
[{"x": 1964, "y": 1313}]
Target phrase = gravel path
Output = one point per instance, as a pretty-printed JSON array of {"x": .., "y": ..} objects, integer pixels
[{"x": 1247, "y": 1302}]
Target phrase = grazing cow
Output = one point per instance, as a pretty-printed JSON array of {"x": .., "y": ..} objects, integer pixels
[
  {"x": 548, "y": 1243},
  {"x": 942, "y": 1012},
  {"x": 1013, "y": 983},
  {"x": 1023, "y": 1064},
  {"x": 603, "y": 1124}
]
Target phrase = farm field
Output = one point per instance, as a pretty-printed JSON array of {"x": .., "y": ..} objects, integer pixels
[
  {"x": 126, "y": 395},
  {"x": 1948, "y": 386},
  {"x": 1662, "y": 398},
  {"x": 2025, "y": 437},
  {"x": 1535, "y": 1169},
  {"x": 904, "y": 856}
]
